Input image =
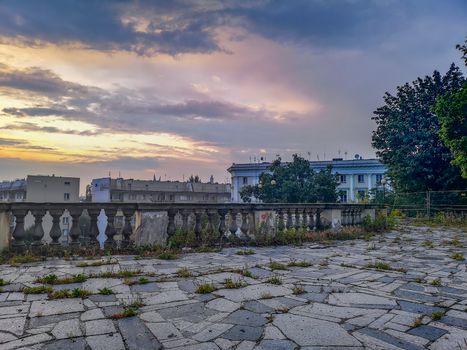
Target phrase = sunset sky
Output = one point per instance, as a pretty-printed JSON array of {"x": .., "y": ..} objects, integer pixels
[{"x": 187, "y": 87}]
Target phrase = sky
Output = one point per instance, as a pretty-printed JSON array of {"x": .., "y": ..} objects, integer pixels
[{"x": 174, "y": 87}]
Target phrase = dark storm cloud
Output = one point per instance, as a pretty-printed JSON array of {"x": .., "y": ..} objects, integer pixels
[
  {"x": 179, "y": 26},
  {"x": 169, "y": 26},
  {"x": 123, "y": 110}
]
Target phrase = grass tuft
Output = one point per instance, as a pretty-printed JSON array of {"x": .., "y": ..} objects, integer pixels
[
  {"x": 458, "y": 257},
  {"x": 274, "y": 280},
  {"x": 297, "y": 290},
  {"x": 106, "y": 291},
  {"x": 206, "y": 288},
  {"x": 302, "y": 263},
  {"x": 245, "y": 252},
  {"x": 231, "y": 284},
  {"x": 183, "y": 272},
  {"x": 274, "y": 265},
  {"x": 436, "y": 315}
]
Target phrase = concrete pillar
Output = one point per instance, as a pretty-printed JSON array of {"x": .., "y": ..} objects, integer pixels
[
  {"x": 332, "y": 217},
  {"x": 369, "y": 182},
  {"x": 352, "y": 194},
  {"x": 5, "y": 234}
]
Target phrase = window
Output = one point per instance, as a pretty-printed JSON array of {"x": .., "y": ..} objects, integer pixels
[
  {"x": 171, "y": 197},
  {"x": 66, "y": 196},
  {"x": 67, "y": 183},
  {"x": 343, "y": 196},
  {"x": 65, "y": 220},
  {"x": 245, "y": 180},
  {"x": 343, "y": 179},
  {"x": 183, "y": 197},
  {"x": 379, "y": 177},
  {"x": 361, "y": 178}
]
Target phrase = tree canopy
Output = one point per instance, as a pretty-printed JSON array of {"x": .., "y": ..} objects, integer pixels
[
  {"x": 451, "y": 110},
  {"x": 293, "y": 182},
  {"x": 407, "y": 136}
]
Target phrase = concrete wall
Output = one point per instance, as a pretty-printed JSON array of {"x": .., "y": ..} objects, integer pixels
[
  {"x": 4, "y": 230},
  {"x": 52, "y": 189}
]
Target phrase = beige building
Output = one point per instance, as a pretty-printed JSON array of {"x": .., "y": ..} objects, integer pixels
[
  {"x": 119, "y": 190},
  {"x": 43, "y": 189},
  {"x": 40, "y": 189}
]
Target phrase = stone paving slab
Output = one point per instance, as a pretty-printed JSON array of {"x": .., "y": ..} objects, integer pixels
[{"x": 337, "y": 303}]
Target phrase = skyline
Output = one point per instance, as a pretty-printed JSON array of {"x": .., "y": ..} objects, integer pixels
[{"x": 178, "y": 87}]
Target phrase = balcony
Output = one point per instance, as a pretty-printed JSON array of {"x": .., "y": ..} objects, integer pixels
[{"x": 157, "y": 222}]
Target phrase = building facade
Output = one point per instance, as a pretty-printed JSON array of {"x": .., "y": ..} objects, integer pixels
[
  {"x": 43, "y": 189},
  {"x": 356, "y": 177},
  {"x": 119, "y": 190}
]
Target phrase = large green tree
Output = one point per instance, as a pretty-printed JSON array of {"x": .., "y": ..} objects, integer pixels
[
  {"x": 451, "y": 110},
  {"x": 293, "y": 182},
  {"x": 407, "y": 135}
]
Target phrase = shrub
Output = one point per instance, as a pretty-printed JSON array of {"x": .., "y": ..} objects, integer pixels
[{"x": 182, "y": 238}]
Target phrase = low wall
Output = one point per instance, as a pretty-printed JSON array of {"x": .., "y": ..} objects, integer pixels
[{"x": 116, "y": 225}]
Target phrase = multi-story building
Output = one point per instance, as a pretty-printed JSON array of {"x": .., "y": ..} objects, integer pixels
[
  {"x": 43, "y": 189},
  {"x": 356, "y": 177},
  {"x": 121, "y": 190}
]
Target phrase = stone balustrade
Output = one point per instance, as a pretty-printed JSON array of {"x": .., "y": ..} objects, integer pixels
[{"x": 150, "y": 223}]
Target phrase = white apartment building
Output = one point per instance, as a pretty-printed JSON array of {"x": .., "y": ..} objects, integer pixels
[
  {"x": 119, "y": 190},
  {"x": 356, "y": 176}
]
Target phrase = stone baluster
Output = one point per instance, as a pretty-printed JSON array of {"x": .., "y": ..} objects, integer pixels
[
  {"x": 198, "y": 227},
  {"x": 289, "y": 219},
  {"x": 38, "y": 229},
  {"x": 110, "y": 231},
  {"x": 75, "y": 231},
  {"x": 318, "y": 219},
  {"x": 245, "y": 226},
  {"x": 345, "y": 217},
  {"x": 55, "y": 231},
  {"x": 311, "y": 220},
  {"x": 19, "y": 234},
  {"x": 212, "y": 220},
  {"x": 304, "y": 224},
  {"x": 93, "y": 228},
  {"x": 297, "y": 219},
  {"x": 222, "y": 227},
  {"x": 280, "y": 224},
  {"x": 127, "y": 229},
  {"x": 352, "y": 217},
  {"x": 233, "y": 222},
  {"x": 171, "y": 223},
  {"x": 185, "y": 217}
]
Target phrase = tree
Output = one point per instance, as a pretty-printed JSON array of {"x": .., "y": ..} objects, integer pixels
[
  {"x": 463, "y": 49},
  {"x": 451, "y": 110},
  {"x": 407, "y": 138},
  {"x": 293, "y": 182}
]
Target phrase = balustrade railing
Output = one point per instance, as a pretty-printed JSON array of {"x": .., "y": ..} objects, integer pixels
[{"x": 236, "y": 220}]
